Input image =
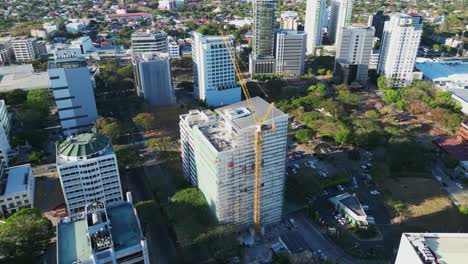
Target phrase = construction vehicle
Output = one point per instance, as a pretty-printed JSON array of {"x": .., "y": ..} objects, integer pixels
[{"x": 258, "y": 139}]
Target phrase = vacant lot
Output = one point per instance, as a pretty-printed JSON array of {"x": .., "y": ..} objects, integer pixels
[{"x": 421, "y": 205}]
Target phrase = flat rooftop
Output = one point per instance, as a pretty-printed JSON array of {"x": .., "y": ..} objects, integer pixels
[
  {"x": 452, "y": 147},
  {"x": 460, "y": 93},
  {"x": 17, "y": 179},
  {"x": 150, "y": 56},
  {"x": 442, "y": 69},
  {"x": 72, "y": 242},
  {"x": 349, "y": 201},
  {"x": 125, "y": 230},
  {"x": 244, "y": 121},
  {"x": 22, "y": 77},
  {"x": 448, "y": 248}
]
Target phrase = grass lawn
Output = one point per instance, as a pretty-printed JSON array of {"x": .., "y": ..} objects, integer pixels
[{"x": 421, "y": 205}]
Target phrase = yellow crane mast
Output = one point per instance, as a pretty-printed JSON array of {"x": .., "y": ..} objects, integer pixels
[{"x": 258, "y": 139}]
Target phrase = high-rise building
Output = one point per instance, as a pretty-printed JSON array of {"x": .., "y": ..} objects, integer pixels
[
  {"x": 315, "y": 11},
  {"x": 5, "y": 125},
  {"x": 72, "y": 86},
  {"x": 223, "y": 157},
  {"x": 261, "y": 60},
  {"x": 153, "y": 79},
  {"x": 24, "y": 49},
  {"x": 149, "y": 42},
  {"x": 7, "y": 54},
  {"x": 432, "y": 248},
  {"x": 214, "y": 77},
  {"x": 104, "y": 233},
  {"x": 353, "y": 52},
  {"x": 399, "y": 47},
  {"x": 290, "y": 52},
  {"x": 340, "y": 16},
  {"x": 88, "y": 171},
  {"x": 378, "y": 21},
  {"x": 289, "y": 20},
  {"x": 174, "y": 50},
  {"x": 16, "y": 188}
]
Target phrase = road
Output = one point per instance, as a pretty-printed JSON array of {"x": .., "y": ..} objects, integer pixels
[{"x": 459, "y": 196}]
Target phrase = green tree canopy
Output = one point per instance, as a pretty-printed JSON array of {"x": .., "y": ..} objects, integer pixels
[
  {"x": 159, "y": 144},
  {"x": 128, "y": 158},
  {"x": 146, "y": 120},
  {"x": 382, "y": 83},
  {"x": 304, "y": 135},
  {"x": 24, "y": 236}
]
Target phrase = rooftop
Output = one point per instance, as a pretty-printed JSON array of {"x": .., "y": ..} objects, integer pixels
[
  {"x": 72, "y": 241},
  {"x": 247, "y": 120},
  {"x": 454, "y": 148},
  {"x": 349, "y": 201},
  {"x": 125, "y": 228},
  {"x": 17, "y": 179},
  {"x": 150, "y": 56},
  {"x": 83, "y": 145},
  {"x": 139, "y": 14},
  {"x": 450, "y": 248},
  {"x": 22, "y": 77},
  {"x": 460, "y": 93},
  {"x": 442, "y": 69}
]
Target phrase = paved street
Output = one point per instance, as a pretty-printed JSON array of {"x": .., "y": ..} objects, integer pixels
[{"x": 458, "y": 195}]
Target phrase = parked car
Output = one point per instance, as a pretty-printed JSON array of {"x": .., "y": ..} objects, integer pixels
[
  {"x": 459, "y": 185},
  {"x": 297, "y": 166},
  {"x": 374, "y": 192},
  {"x": 340, "y": 188},
  {"x": 439, "y": 178},
  {"x": 365, "y": 207},
  {"x": 309, "y": 163}
]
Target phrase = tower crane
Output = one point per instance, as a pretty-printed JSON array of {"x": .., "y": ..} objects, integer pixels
[{"x": 258, "y": 139}]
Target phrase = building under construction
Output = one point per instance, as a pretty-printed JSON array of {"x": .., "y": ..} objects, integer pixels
[{"x": 219, "y": 153}]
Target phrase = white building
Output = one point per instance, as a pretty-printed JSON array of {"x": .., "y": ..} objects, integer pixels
[
  {"x": 461, "y": 95},
  {"x": 7, "y": 53},
  {"x": 289, "y": 20},
  {"x": 349, "y": 206},
  {"x": 399, "y": 47},
  {"x": 51, "y": 28},
  {"x": 340, "y": 16},
  {"x": 450, "y": 73},
  {"x": 214, "y": 77},
  {"x": 104, "y": 233},
  {"x": 5, "y": 125},
  {"x": 170, "y": 4},
  {"x": 24, "y": 49},
  {"x": 432, "y": 248},
  {"x": 39, "y": 33},
  {"x": 88, "y": 171},
  {"x": 18, "y": 189},
  {"x": 149, "y": 42},
  {"x": 153, "y": 78},
  {"x": 315, "y": 12},
  {"x": 75, "y": 27},
  {"x": 290, "y": 52},
  {"x": 174, "y": 50},
  {"x": 374, "y": 59},
  {"x": 72, "y": 86},
  {"x": 221, "y": 153},
  {"x": 353, "y": 51},
  {"x": 82, "y": 44}
]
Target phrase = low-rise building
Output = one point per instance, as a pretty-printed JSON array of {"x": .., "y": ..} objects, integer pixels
[
  {"x": 39, "y": 33},
  {"x": 18, "y": 190},
  {"x": 103, "y": 233},
  {"x": 350, "y": 207},
  {"x": 432, "y": 248},
  {"x": 74, "y": 27},
  {"x": 461, "y": 95},
  {"x": 170, "y": 4},
  {"x": 24, "y": 49},
  {"x": 82, "y": 44},
  {"x": 22, "y": 77},
  {"x": 130, "y": 16},
  {"x": 449, "y": 73},
  {"x": 7, "y": 54}
]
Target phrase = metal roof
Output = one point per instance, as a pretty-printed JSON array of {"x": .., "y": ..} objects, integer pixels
[{"x": 83, "y": 145}]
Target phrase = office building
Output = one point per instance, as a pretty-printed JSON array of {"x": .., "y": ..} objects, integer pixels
[
  {"x": 149, "y": 42},
  {"x": 289, "y": 20},
  {"x": 398, "y": 49},
  {"x": 432, "y": 248},
  {"x": 353, "y": 52},
  {"x": 315, "y": 12},
  {"x": 16, "y": 188},
  {"x": 72, "y": 86},
  {"x": 5, "y": 126},
  {"x": 222, "y": 154},
  {"x": 23, "y": 48},
  {"x": 340, "y": 16},
  {"x": 174, "y": 50},
  {"x": 261, "y": 60},
  {"x": 88, "y": 171},
  {"x": 290, "y": 52},
  {"x": 378, "y": 21},
  {"x": 104, "y": 233},
  {"x": 214, "y": 77},
  {"x": 153, "y": 79},
  {"x": 7, "y": 54}
]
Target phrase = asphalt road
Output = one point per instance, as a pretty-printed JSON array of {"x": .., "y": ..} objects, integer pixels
[{"x": 459, "y": 196}]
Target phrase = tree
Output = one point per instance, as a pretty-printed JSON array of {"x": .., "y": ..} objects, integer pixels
[
  {"x": 36, "y": 157},
  {"x": 24, "y": 236},
  {"x": 103, "y": 121},
  {"x": 16, "y": 97},
  {"x": 126, "y": 71},
  {"x": 159, "y": 144},
  {"x": 38, "y": 100},
  {"x": 343, "y": 135},
  {"x": 220, "y": 242},
  {"x": 128, "y": 158},
  {"x": 304, "y": 135},
  {"x": 436, "y": 47},
  {"x": 332, "y": 107},
  {"x": 209, "y": 29},
  {"x": 112, "y": 130},
  {"x": 319, "y": 90},
  {"x": 382, "y": 83},
  {"x": 146, "y": 120},
  {"x": 348, "y": 98}
]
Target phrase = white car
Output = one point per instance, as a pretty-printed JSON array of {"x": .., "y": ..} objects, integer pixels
[
  {"x": 459, "y": 185},
  {"x": 439, "y": 178},
  {"x": 309, "y": 163},
  {"x": 374, "y": 192},
  {"x": 296, "y": 165}
]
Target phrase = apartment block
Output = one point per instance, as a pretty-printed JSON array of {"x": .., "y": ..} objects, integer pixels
[
  {"x": 399, "y": 48},
  {"x": 149, "y": 42},
  {"x": 214, "y": 76},
  {"x": 290, "y": 52},
  {"x": 289, "y": 20},
  {"x": 104, "y": 233},
  {"x": 316, "y": 10},
  {"x": 72, "y": 87},
  {"x": 5, "y": 126},
  {"x": 353, "y": 52},
  {"x": 153, "y": 79},
  {"x": 174, "y": 50},
  {"x": 23, "y": 48},
  {"x": 340, "y": 16},
  {"x": 7, "y": 54},
  {"x": 222, "y": 155},
  {"x": 432, "y": 248},
  {"x": 88, "y": 171},
  {"x": 261, "y": 60},
  {"x": 16, "y": 188}
]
